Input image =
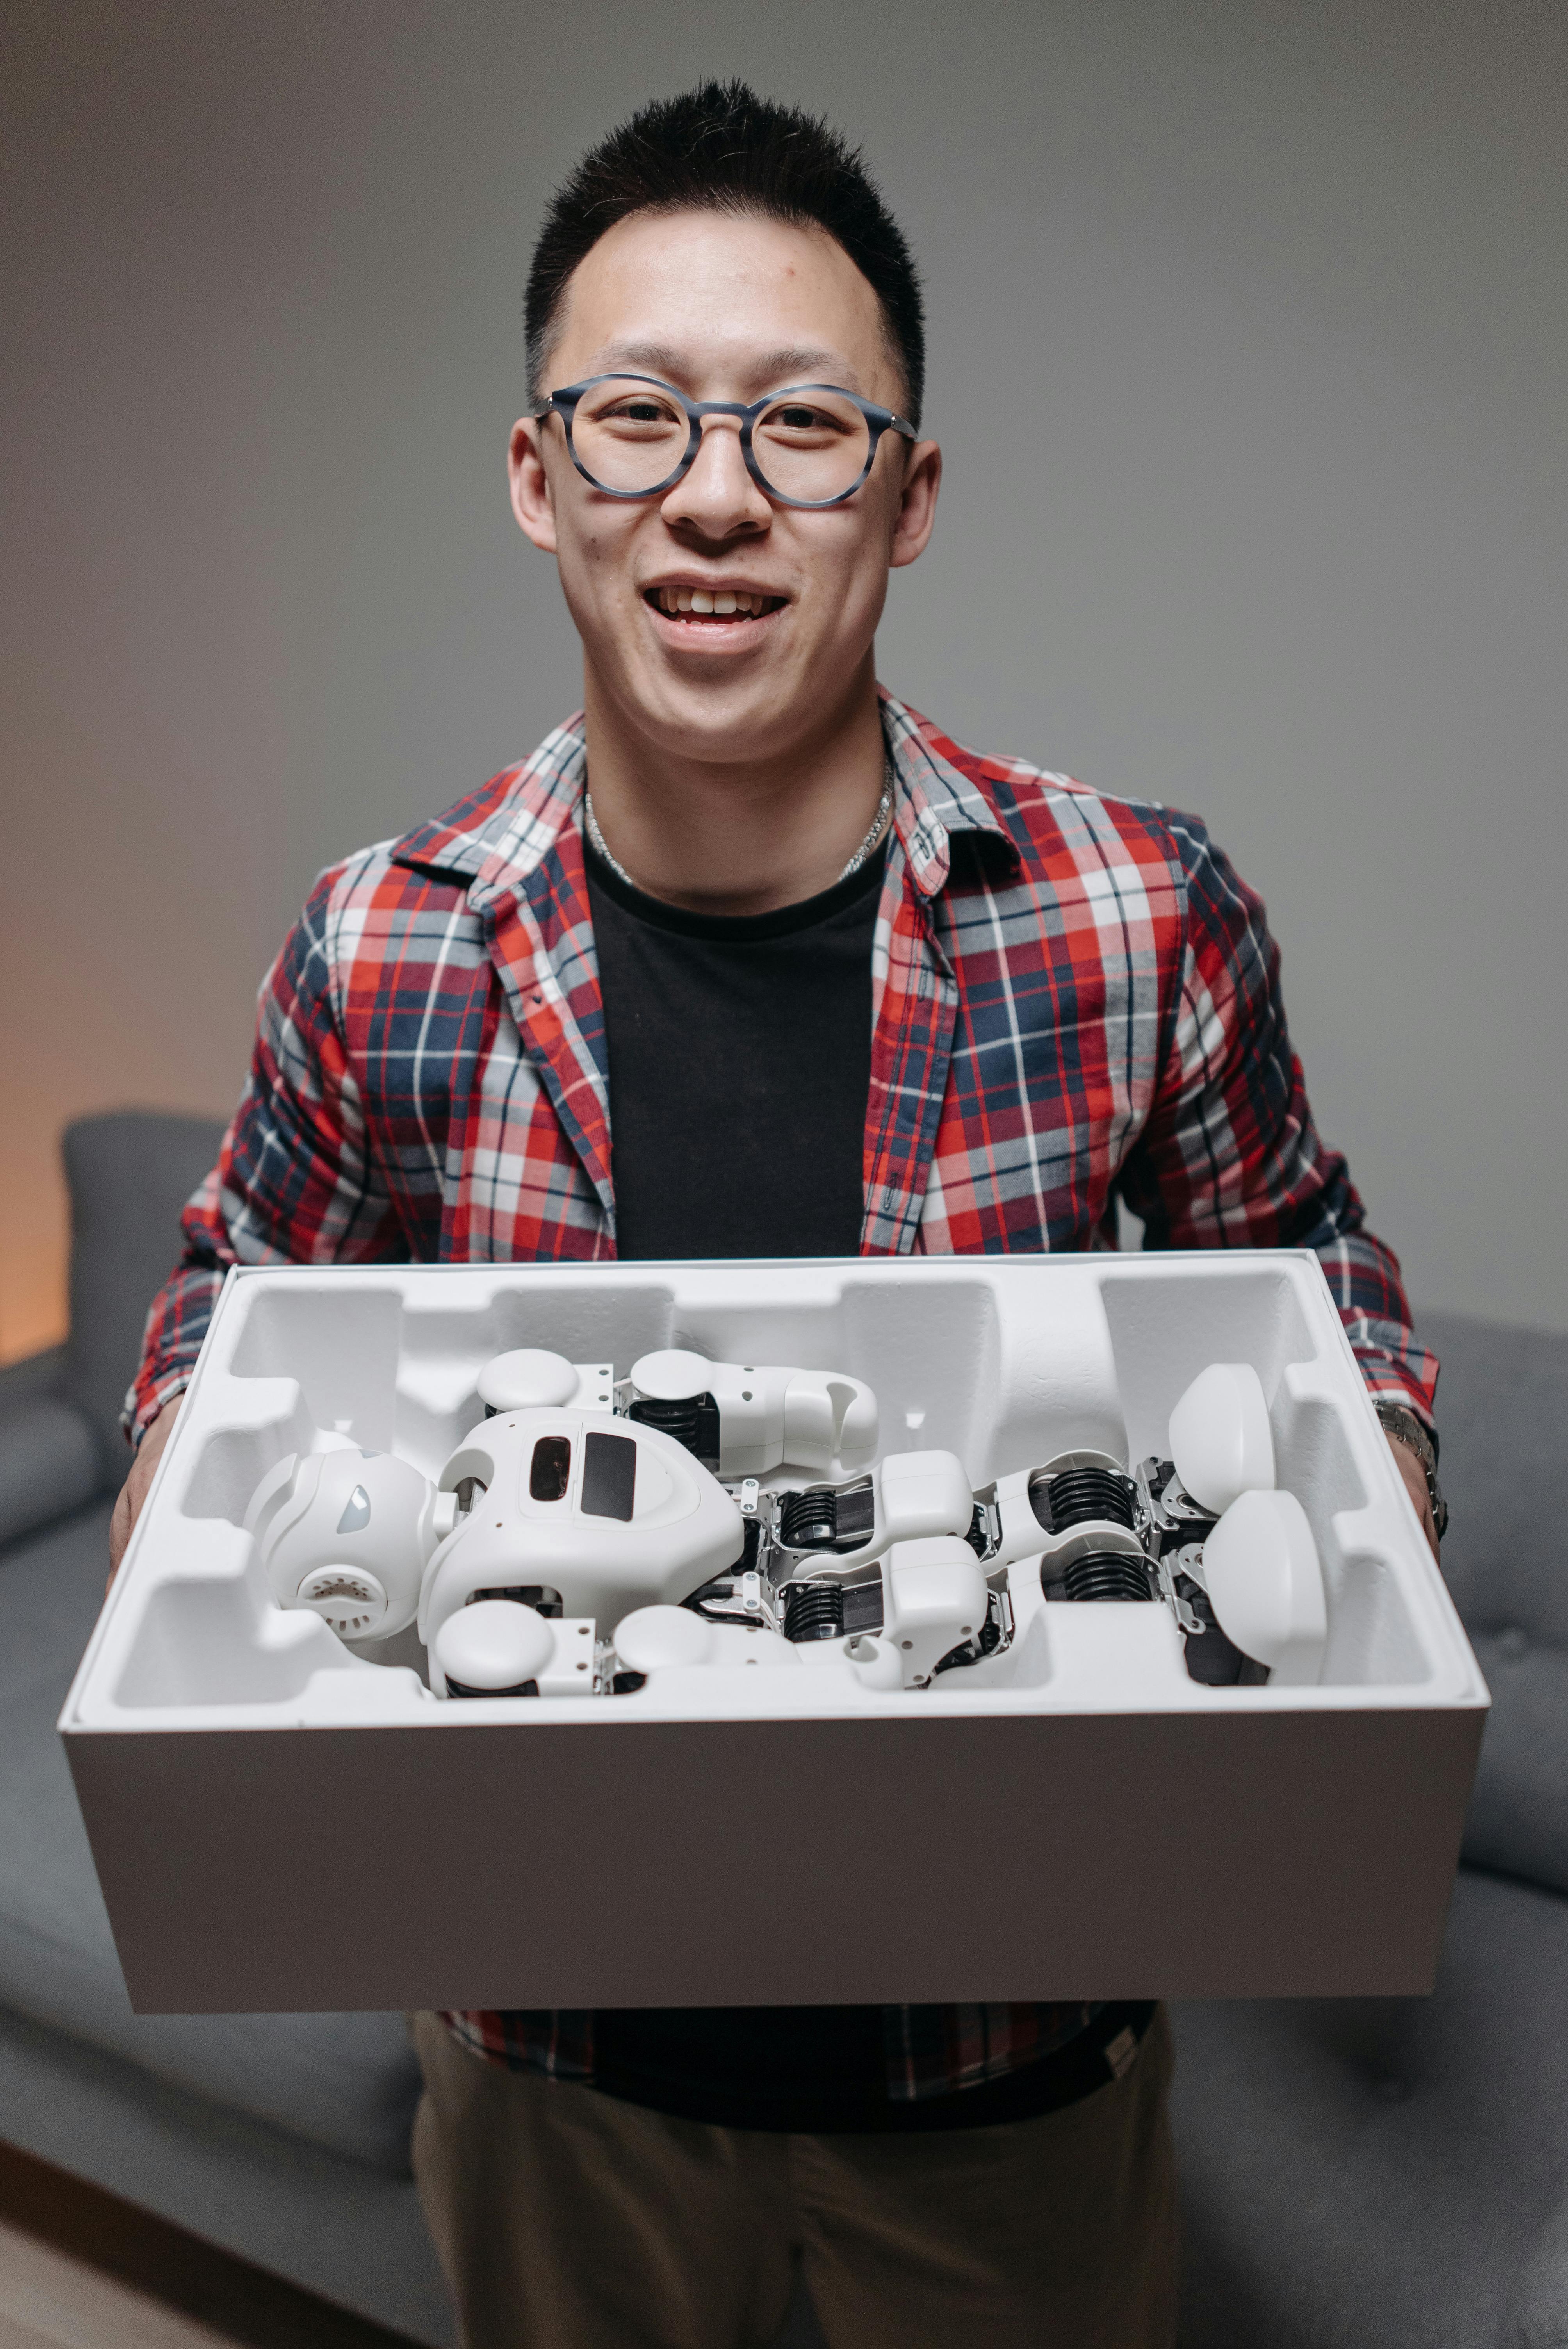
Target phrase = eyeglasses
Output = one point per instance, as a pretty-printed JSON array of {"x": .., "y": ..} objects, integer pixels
[{"x": 633, "y": 437}]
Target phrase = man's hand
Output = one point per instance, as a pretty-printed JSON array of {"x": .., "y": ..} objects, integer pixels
[
  {"x": 133, "y": 1492},
  {"x": 1415, "y": 1477}
]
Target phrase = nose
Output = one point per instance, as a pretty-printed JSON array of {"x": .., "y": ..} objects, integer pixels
[{"x": 719, "y": 497}]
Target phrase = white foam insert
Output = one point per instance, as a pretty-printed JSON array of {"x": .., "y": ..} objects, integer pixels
[{"x": 1006, "y": 1361}]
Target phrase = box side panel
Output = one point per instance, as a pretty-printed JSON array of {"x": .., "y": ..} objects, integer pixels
[
  {"x": 1166, "y": 1329},
  {"x": 756, "y": 1862}
]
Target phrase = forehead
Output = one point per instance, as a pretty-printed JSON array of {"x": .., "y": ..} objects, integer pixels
[{"x": 709, "y": 299}]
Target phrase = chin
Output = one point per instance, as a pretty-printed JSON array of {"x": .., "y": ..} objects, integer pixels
[{"x": 723, "y": 719}]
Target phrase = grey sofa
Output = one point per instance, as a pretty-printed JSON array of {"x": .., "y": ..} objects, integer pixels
[
  {"x": 1355, "y": 2172},
  {"x": 282, "y": 2137},
  {"x": 1395, "y": 2172}
]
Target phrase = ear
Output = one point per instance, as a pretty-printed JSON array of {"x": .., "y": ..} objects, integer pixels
[
  {"x": 530, "y": 499},
  {"x": 916, "y": 514}
]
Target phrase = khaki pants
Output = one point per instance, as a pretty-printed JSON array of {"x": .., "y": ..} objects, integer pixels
[{"x": 569, "y": 2218}]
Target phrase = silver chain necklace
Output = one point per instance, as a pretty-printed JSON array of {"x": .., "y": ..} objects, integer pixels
[{"x": 868, "y": 846}]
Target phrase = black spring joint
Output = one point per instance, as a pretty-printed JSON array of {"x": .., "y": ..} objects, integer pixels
[
  {"x": 809, "y": 1520},
  {"x": 518, "y": 1688},
  {"x": 1077, "y": 1495},
  {"x": 1106, "y": 1574},
  {"x": 813, "y": 1610},
  {"x": 692, "y": 1420},
  {"x": 826, "y": 1519}
]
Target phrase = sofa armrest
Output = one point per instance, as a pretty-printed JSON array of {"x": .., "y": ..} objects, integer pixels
[{"x": 49, "y": 1462}]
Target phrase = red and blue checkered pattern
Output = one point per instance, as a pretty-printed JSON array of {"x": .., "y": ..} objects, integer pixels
[{"x": 1075, "y": 999}]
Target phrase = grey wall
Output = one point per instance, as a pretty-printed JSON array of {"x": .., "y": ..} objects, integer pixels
[{"x": 1248, "y": 354}]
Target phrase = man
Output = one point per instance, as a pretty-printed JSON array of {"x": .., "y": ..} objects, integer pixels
[{"x": 749, "y": 960}]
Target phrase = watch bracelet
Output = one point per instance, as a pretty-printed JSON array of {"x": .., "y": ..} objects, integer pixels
[{"x": 1400, "y": 1424}]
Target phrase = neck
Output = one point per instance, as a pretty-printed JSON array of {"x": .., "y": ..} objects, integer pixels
[{"x": 736, "y": 835}]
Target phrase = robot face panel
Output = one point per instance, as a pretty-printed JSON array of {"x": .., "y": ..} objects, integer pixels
[{"x": 607, "y": 1485}]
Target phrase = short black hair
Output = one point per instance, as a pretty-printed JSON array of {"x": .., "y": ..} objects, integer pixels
[{"x": 720, "y": 148}]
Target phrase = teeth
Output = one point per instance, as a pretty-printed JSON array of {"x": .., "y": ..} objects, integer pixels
[{"x": 721, "y": 602}]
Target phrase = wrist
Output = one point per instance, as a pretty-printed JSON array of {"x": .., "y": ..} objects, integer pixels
[{"x": 1400, "y": 1424}]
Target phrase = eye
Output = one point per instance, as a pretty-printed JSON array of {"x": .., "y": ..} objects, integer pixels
[
  {"x": 797, "y": 417},
  {"x": 630, "y": 409}
]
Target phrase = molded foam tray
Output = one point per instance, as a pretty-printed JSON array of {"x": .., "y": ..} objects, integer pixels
[{"x": 281, "y": 1822}]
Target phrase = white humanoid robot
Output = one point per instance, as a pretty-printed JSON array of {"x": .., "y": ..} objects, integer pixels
[{"x": 584, "y": 1537}]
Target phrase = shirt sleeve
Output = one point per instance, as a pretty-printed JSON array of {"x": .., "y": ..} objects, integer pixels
[
  {"x": 1230, "y": 1157},
  {"x": 297, "y": 1180}
]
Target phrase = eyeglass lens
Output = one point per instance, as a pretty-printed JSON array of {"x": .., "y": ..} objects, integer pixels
[{"x": 632, "y": 436}]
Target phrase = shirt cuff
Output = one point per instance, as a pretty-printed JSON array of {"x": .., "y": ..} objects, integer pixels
[
  {"x": 142, "y": 1404},
  {"x": 1386, "y": 1386}
]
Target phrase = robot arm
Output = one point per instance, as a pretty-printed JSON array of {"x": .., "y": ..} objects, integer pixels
[{"x": 746, "y": 1420}]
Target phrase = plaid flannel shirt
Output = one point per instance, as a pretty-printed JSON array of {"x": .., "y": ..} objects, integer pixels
[{"x": 1073, "y": 999}]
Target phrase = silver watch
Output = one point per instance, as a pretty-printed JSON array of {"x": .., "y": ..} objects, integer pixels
[{"x": 1407, "y": 1429}]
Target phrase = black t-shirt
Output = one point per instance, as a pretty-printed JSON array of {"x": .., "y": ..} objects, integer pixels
[
  {"x": 740, "y": 1054},
  {"x": 739, "y": 1059}
]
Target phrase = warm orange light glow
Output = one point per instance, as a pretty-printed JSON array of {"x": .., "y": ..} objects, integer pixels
[{"x": 35, "y": 1240}]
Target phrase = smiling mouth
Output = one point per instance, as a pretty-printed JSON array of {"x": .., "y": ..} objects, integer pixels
[{"x": 708, "y": 609}]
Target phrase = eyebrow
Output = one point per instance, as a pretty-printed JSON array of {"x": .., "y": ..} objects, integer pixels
[{"x": 798, "y": 363}]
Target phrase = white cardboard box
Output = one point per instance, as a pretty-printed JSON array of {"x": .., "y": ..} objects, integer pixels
[{"x": 277, "y": 1826}]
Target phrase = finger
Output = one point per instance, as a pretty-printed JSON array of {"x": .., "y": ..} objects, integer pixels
[
  {"x": 1423, "y": 1501},
  {"x": 119, "y": 1532}
]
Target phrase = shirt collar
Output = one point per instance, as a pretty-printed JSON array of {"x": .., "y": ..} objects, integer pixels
[
  {"x": 942, "y": 797},
  {"x": 499, "y": 835}
]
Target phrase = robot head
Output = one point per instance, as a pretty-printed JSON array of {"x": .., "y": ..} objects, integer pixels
[{"x": 347, "y": 1535}]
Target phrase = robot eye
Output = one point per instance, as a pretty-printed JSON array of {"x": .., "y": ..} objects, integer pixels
[
  {"x": 549, "y": 1471},
  {"x": 355, "y": 1512}
]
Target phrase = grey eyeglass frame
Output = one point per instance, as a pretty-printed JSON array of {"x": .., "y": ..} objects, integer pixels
[{"x": 878, "y": 420}]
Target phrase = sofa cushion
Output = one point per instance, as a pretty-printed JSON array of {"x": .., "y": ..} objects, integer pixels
[
  {"x": 131, "y": 1173},
  {"x": 348, "y": 2082},
  {"x": 1376, "y": 2172},
  {"x": 50, "y": 1464},
  {"x": 1502, "y": 1407},
  {"x": 1538, "y": 2310}
]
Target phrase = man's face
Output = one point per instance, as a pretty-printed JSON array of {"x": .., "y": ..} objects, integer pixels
[{"x": 723, "y": 309}]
